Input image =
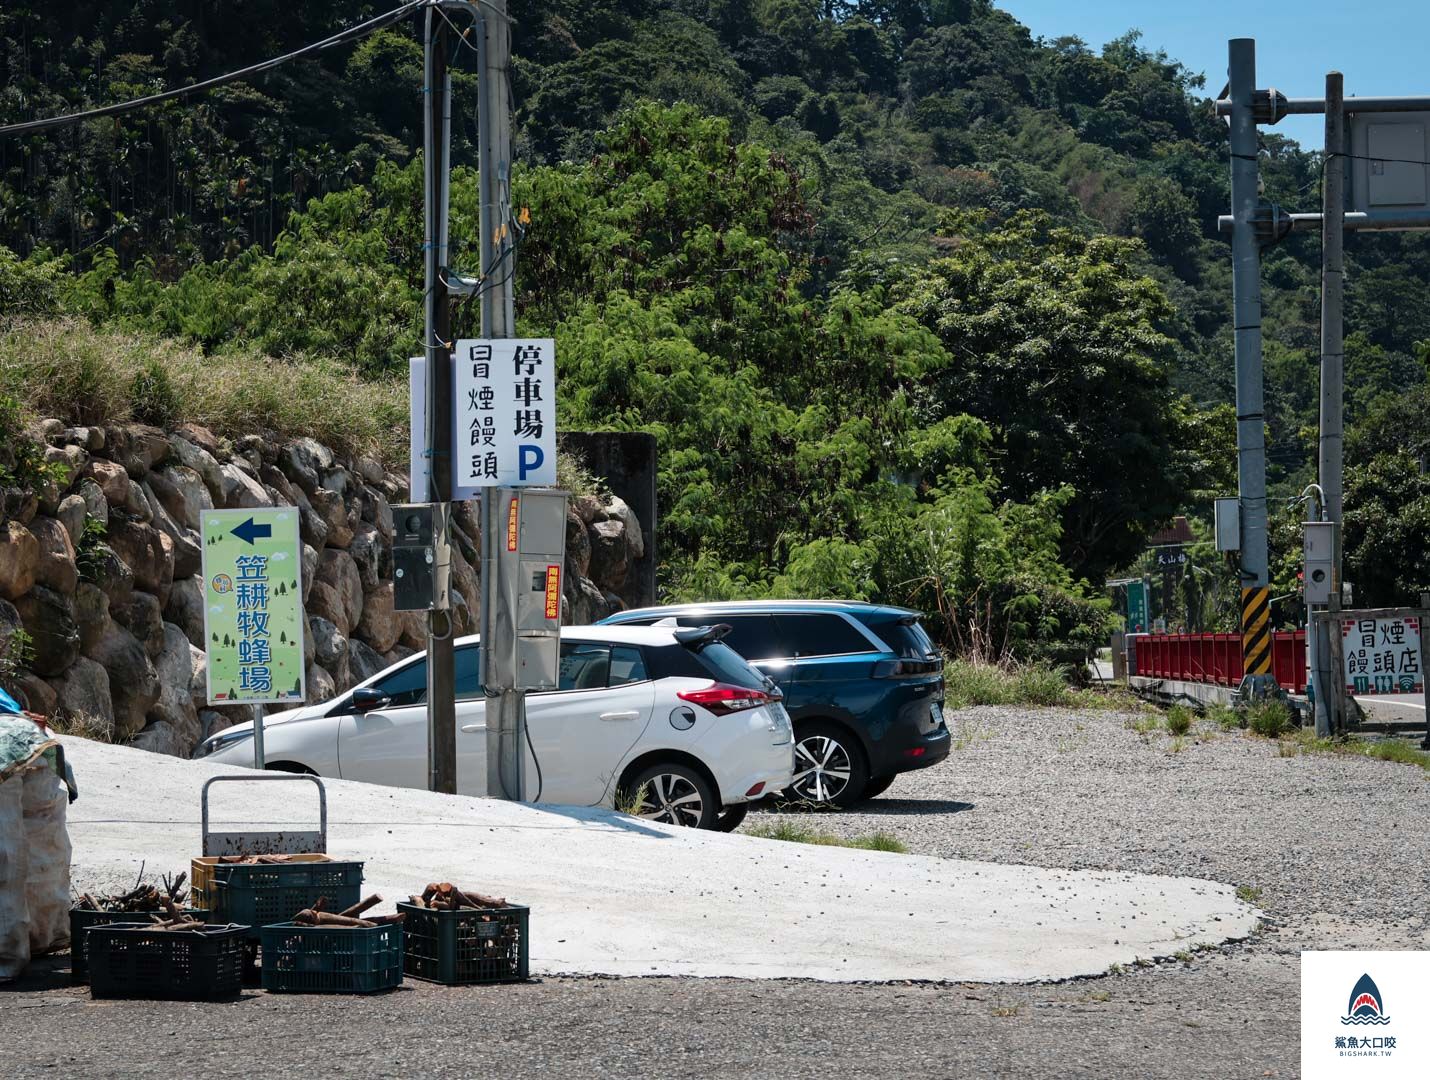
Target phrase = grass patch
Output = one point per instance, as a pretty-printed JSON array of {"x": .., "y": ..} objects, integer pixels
[
  {"x": 68, "y": 369},
  {"x": 1177, "y": 745},
  {"x": 1248, "y": 894},
  {"x": 796, "y": 833},
  {"x": 1224, "y": 716},
  {"x": 81, "y": 725},
  {"x": 1179, "y": 719},
  {"x": 970, "y": 682},
  {"x": 1145, "y": 725},
  {"x": 1268, "y": 718},
  {"x": 1394, "y": 750}
]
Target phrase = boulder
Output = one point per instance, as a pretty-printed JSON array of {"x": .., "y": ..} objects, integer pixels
[
  {"x": 467, "y": 516},
  {"x": 613, "y": 603},
  {"x": 336, "y": 515},
  {"x": 200, "y": 461},
  {"x": 412, "y": 630},
  {"x": 162, "y": 737},
  {"x": 55, "y": 567},
  {"x": 397, "y": 653},
  {"x": 304, "y": 461},
  {"x": 48, "y": 429},
  {"x": 609, "y": 553},
  {"x": 176, "y": 666},
  {"x": 585, "y": 602},
  {"x": 310, "y": 568},
  {"x": 112, "y": 574},
  {"x": 83, "y": 690},
  {"x": 369, "y": 470},
  {"x": 465, "y": 580},
  {"x": 321, "y": 685},
  {"x": 188, "y": 549},
  {"x": 48, "y": 616},
  {"x": 145, "y": 447},
  {"x": 588, "y": 508},
  {"x": 378, "y": 625},
  {"x": 69, "y": 462},
  {"x": 309, "y": 648},
  {"x": 342, "y": 676},
  {"x": 274, "y": 480},
  {"x": 113, "y": 481},
  {"x": 377, "y": 510},
  {"x": 133, "y": 683},
  {"x": 136, "y": 505},
  {"x": 217, "y": 717},
  {"x": 618, "y": 510},
  {"x": 338, "y": 479},
  {"x": 201, "y": 437},
  {"x": 90, "y": 438},
  {"x": 144, "y": 618},
  {"x": 71, "y": 513},
  {"x": 183, "y": 493},
  {"x": 370, "y": 554},
  {"x": 185, "y": 609},
  {"x": 337, "y": 570},
  {"x": 258, "y": 449},
  {"x": 324, "y": 602},
  {"x": 10, "y": 621},
  {"x": 330, "y": 646},
  {"x": 311, "y": 526},
  {"x": 363, "y": 662},
  {"x": 19, "y": 560},
  {"x": 142, "y": 548},
  {"x": 95, "y": 504},
  {"x": 35, "y": 693},
  {"x": 91, "y": 615},
  {"x": 578, "y": 546},
  {"x": 241, "y": 490}
]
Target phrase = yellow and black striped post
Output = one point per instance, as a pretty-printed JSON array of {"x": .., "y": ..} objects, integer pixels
[{"x": 1256, "y": 631}]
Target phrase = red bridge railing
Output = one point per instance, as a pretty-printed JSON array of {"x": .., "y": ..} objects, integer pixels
[{"x": 1215, "y": 658}]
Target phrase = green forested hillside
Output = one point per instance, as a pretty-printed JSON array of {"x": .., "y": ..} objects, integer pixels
[{"x": 922, "y": 308}]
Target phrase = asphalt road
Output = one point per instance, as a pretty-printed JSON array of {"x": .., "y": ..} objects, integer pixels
[{"x": 1049, "y": 787}]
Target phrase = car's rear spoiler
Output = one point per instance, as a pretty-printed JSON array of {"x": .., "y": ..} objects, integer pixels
[{"x": 696, "y": 636}]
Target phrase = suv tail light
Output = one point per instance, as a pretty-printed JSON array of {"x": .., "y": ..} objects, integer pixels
[
  {"x": 904, "y": 669},
  {"x": 723, "y": 699}
]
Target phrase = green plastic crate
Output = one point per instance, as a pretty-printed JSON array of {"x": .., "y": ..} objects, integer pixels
[
  {"x": 468, "y": 946},
  {"x": 138, "y": 961},
  {"x": 261, "y": 894},
  {"x": 81, "y": 919},
  {"x": 331, "y": 959}
]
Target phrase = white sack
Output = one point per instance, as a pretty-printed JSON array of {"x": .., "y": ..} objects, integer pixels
[
  {"x": 47, "y": 892},
  {"x": 14, "y": 870}
]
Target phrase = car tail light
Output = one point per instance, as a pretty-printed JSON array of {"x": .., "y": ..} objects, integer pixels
[
  {"x": 904, "y": 669},
  {"x": 723, "y": 699}
]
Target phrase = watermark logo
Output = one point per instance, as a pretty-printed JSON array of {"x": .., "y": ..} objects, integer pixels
[{"x": 1366, "y": 1005}]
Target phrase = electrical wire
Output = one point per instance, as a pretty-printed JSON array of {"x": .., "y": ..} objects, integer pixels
[{"x": 352, "y": 33}]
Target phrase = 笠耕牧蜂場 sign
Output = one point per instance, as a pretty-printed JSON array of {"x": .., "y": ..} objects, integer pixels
[
  {"x": 1382, "y": 655},
  {"x": 253, "y": 605},
  {"x": 505, "y": 414}
]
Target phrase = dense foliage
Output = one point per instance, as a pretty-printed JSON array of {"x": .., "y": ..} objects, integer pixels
[{"x": 921, "y": 309}]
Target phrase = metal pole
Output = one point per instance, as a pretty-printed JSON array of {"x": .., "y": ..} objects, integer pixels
[
  {"x": 1329, "y": 711},
  {"x": 1246, "y": 324},
  {"x": 441, "y": 682},
  {"x": 506, "y": 706}
]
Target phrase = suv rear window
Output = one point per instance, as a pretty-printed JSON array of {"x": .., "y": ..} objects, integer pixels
[
  {"x": 907, "y": 640},
  {"x": 714, "y": 660},
  {"x": 819, "y": 635},
  {"x": 754, "y": 637}
]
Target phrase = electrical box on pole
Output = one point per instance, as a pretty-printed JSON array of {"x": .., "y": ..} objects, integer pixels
[
  {"x": 526, "y": 618},
  {"x": 1388, "y": 156},
  {"x": 413, "y": 557},
  {"x": 1320, "y": 566},
  {"x": 1227, "y": 518}
]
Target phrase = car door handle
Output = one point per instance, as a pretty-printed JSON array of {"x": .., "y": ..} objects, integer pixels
[
  {"x": 474, "y": 727},
  {"x": 631, "y": 715}
]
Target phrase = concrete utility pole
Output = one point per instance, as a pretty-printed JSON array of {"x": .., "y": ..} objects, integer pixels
[
  {"x": 1246, "y": 321},
  {"x": 1330, "y": 712},
  {"x": 506, "y": 707},
  {"x": 441, "y": 682}
]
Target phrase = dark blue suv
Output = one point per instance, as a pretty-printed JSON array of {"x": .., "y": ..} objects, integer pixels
[{"x": 863, "y": 684}]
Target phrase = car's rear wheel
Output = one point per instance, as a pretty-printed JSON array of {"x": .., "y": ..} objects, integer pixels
[
  {"x": 878, "y": 785},
  {"x": 829, "y": 767},
  {"x": 675, "y": 794},
  {"x": 731, "y": 816}
]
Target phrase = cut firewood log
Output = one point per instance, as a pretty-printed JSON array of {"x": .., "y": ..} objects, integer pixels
[{"x": 361, "y": 906}]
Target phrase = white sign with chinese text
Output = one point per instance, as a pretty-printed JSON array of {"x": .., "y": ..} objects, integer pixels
[
  {"x": 1382, "y": 656},
  {"x": 505, "y": 413}
]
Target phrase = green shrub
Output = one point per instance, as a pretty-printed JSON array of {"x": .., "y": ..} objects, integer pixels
[
  {"x": 1179, "y": 719},
  {"x": 1268, "y": 718},
  {"x": 1040, "y": 683},
  {"x": 22, "y": 458},
  {"x": 152, "y": 394},
  {"x": 1224, "y": 716},
  {"x": 973, "y": 682}
]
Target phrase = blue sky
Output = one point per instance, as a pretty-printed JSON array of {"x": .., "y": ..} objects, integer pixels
[{"x": 1380, "y": 45}]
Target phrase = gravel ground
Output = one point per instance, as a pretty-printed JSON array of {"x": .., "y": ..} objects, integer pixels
[{"x": 1336, "y": 844}]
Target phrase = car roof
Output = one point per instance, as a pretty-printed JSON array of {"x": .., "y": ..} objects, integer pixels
[
  {"x": 734, "y": 607},
  {"x": 613, "y": 633}
]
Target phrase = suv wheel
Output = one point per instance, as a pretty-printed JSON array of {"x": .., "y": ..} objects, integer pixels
[
  {"x": 828, "y": 767},
  {"x": 675, "y": 794},
  {"x": 731, "y": 817}
]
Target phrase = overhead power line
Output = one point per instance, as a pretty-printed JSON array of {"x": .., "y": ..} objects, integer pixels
[{"x": 31, "y": 127}]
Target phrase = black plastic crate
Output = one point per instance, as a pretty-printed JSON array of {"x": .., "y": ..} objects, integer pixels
[
  {"x": 81, "y": 919},
  {"x": 129, "y": 960},
  {"x": 467, "y": 946},
  {"x": 262, "y": 894},
  {"x": 331, "y": 959}
]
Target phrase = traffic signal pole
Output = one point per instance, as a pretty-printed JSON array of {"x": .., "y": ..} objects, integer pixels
[{"x": 1250, "y": 419}]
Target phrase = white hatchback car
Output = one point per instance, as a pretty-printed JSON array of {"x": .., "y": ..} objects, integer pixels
[{"x": 672, "y": 720}]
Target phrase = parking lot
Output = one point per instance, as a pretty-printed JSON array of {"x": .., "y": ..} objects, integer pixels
[{"x": 1335, "y": 846}]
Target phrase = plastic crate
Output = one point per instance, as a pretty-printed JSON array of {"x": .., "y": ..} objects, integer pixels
[
  {"x": 262, "y": 894},
  {"x": 130, "y": 960},
  {"x": 201, "y": 874},
  {"x": 81, "y": 919},
  {"x": 331, "y": 959},
  {"x": 486, "y": 945}
]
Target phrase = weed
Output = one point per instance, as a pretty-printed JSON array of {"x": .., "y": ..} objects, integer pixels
[
  {"x": 1100, "y": 995},
  {"x": 16, "y": 652},
  {"x": 82, "y": 725},
  {"x": 630, "y": 802},
  {"x": 796, "y": 833},
  {"x": 1116, "y": 969},
  {"x": 1268, "y": 718},
  {"x": 1179, "y": 719},
  {"x": 155, "y": 401},
  {"x": 1177, "y": 745},
  {"x": 1224, "y": 716},
  {"x": 88, "y": 558},
  {"x": 1006, "y": 1010},
  {"x": 1248, "y": 894},
  {"x": 1390, "y": 749},
  {"x": 1144, "y": 725},
  {"x": 1183, "y": 956},
  {"x": 1286, "y": 748}
]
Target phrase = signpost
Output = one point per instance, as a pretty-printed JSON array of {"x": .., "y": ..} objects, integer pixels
[
  {"x": 505, "y": 411},
  {"x": 1137, "y": 615},
  {"x": 253, "y": 609},
  {"x": 1383, "y": 654}
]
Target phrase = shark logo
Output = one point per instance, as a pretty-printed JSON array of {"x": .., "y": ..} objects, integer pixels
[{"x": 1365, "y": 1006}]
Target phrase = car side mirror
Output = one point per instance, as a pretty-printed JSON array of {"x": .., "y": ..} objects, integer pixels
[{"x": 367, "y": 698}]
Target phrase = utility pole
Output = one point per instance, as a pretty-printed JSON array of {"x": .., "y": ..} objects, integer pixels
[
  {"x": 441, "y": 682},
  {"x": 1246, "y": 322},
  {"x": 1330, "y": 710},
  {"x": 506, "y": 706}
]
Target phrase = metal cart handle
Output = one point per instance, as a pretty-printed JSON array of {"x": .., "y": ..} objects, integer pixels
[{"x": 284, "y": 842}]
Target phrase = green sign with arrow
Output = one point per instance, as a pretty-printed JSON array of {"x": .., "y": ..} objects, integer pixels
[{"x": 253, "y": 605}]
